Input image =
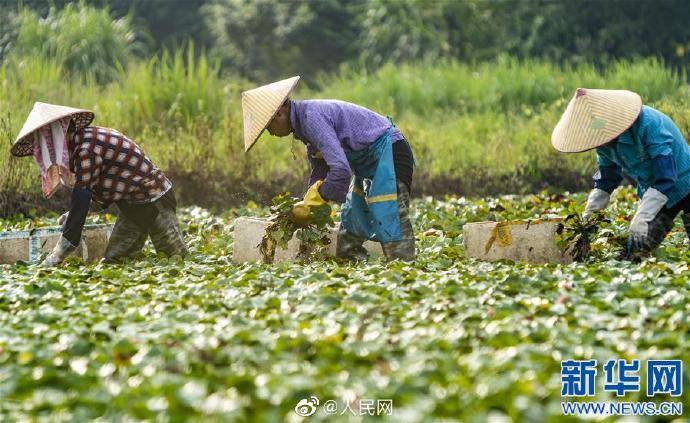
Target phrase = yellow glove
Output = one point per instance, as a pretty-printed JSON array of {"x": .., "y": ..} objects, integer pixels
[{"x": 301, "y": 212}]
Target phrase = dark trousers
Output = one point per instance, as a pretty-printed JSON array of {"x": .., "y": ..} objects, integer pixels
[{"x": 139, "y": 221}]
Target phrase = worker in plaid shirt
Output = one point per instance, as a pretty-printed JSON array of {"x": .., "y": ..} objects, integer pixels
[{"x": 104, "y": 166}]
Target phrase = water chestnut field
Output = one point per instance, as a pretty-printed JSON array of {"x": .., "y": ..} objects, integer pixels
[{"x": 446, "y": 338}]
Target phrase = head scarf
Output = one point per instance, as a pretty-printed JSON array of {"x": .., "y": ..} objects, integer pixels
[{"x": 51, "y": 154}]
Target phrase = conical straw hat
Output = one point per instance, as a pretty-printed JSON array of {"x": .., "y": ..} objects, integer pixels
[
  {"x": 594, "y": 118},
  {"x": 44, "y": 114},
  {"x": 260, "y": 105}
]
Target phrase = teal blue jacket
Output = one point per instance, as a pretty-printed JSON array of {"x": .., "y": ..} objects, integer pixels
[{"x": 652, "y": 152}]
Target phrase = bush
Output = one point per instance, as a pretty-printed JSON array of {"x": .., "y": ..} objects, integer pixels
[{"x": 86, "y": 40}]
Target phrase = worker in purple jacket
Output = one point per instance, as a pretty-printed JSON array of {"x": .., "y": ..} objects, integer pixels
[{"x": 358, "y": 157}]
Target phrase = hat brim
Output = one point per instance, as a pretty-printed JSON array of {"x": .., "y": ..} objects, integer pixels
[
  {"x": 273, "y": 115},
  {"x": 254, "y": 141},
  {"x": 600, "y": 143},
  {"x": 23, "y": 145},
  {"x": 575, "y": 131}
]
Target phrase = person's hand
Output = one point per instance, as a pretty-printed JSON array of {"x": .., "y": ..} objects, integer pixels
[
  {"x": 62, "y": 249},
  {"x": 301, "y": 212},
  {"x": 62, "y": 219},
  {"x": 598, "y": 200},
  {"x": 652, "y": 202}
]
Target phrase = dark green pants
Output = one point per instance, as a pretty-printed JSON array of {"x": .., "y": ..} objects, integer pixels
[
  {"x": 350, "y": 246},
  {"x": 139, "y": 221}
]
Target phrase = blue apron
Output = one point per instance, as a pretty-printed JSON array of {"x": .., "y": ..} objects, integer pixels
[{"x": 371, "y": 207}]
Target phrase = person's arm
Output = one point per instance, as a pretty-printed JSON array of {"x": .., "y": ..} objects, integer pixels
[
  {"x": 87, "y": 169},
  {"x": 608, "y": 175},
  {"x": 322, "y": 135},
  {"x": 319, "y": 168},
  {"x": 79, "y": 208},
  {"x": 658, "y": 141},
  {"x": 71, "y": 229}
]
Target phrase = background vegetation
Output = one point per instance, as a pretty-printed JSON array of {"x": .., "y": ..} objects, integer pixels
[
  {"x": 475, "y": 86},
  {"x": 266, "y": 39}
]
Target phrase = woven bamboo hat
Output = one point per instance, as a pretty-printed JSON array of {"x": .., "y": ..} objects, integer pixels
[
  {"x": 43, "y": 114},
  {"x": 260, "y": 105},
  {"x": 594, "y": 118}
]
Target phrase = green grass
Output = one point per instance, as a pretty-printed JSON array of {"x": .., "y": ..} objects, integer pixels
[
  {"x": 445, "y": 338},
  {"x": 475, "y": 129},
  {"x": 504, "y": 85}
]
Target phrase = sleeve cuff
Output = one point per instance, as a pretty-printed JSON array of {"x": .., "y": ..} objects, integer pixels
[
  {"x": 330, "y": 193},
  {"x": 607, "y": 178}
]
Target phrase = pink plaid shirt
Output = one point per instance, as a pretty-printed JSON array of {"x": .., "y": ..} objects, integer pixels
[{"x": 114, "y": 168}]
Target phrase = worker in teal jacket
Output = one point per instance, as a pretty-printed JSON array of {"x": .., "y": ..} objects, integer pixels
[{"x": 640, "y": 142}]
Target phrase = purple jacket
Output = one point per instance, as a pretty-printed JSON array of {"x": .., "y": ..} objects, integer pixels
[{"x": 331, "y": 128}]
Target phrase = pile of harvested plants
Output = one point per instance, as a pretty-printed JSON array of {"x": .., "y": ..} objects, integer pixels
[
  {"x": 576, "y": 236},
  {"x": 312, "y": 237}
]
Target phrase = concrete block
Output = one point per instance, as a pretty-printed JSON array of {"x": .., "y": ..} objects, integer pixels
[
  {"x": 13, "y": 249},
  {"x": 248, "y": 232},
  {"x": 529, "y": 241},
  {"x": 31, "y": 244}
]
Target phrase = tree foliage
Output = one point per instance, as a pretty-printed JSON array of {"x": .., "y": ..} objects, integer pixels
[{"x": 264, "y": 39}]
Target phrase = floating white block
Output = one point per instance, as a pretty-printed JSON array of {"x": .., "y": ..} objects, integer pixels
[
  {"x": 248, "y": 232},
  {"x": 530, "y": 241},
  {"x": 29, "y": 245}
]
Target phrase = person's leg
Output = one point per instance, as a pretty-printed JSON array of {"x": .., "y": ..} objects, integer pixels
[
  {"x": 126, "y": 239},
  {"x": 683, "y": 207},
  {"x": 405, "y": 248},
  {"x": 686, "y": 223},
  {"x": 165, "y": 232},
  {"x": 349, "y": 246},
  {"x": 663, "y": 222}
]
